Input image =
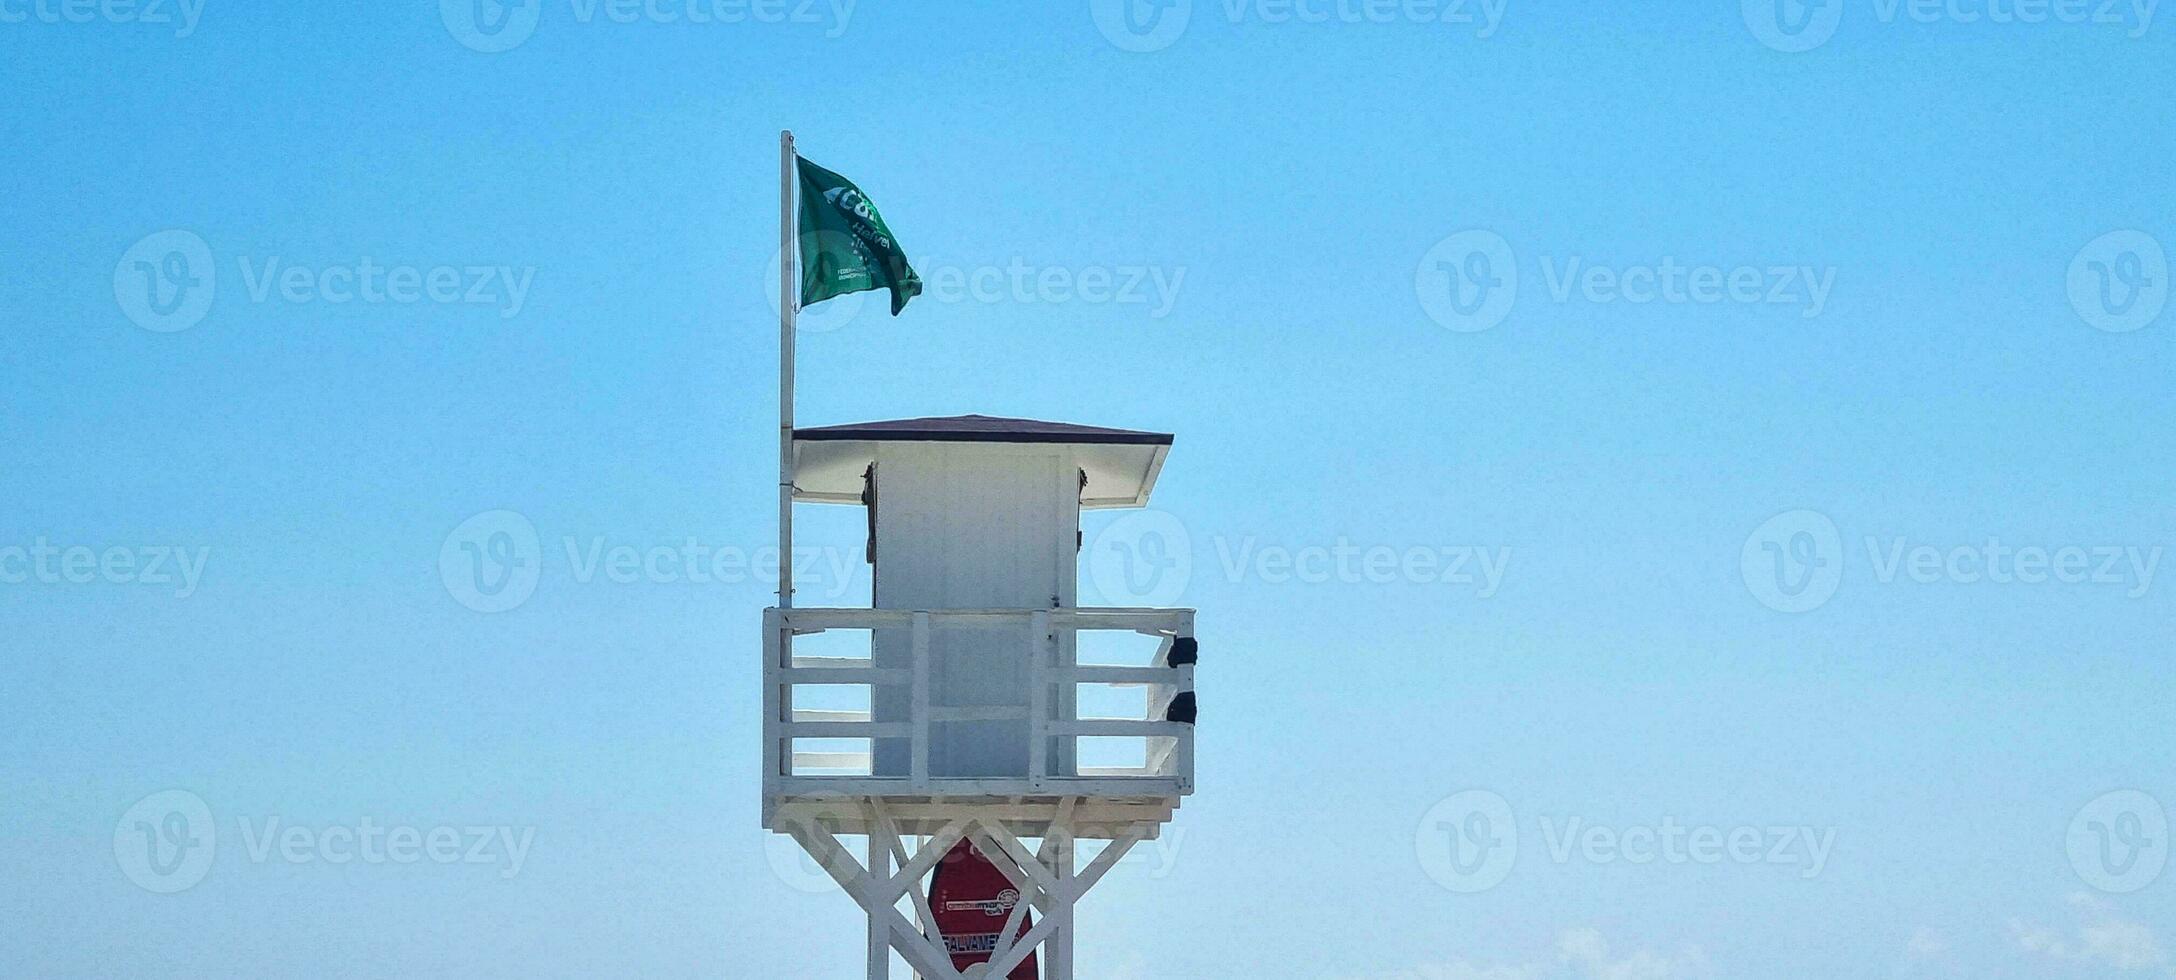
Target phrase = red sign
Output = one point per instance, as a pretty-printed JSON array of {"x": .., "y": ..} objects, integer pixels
[{"x": 972, "y": 900}]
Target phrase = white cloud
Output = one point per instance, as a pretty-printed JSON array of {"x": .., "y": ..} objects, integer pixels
[
  {"x": 1466, "y": 971},
  {"x": 1585, "y": 954},
  {"x": 1926, "y": 944},
  {"x": 1588, "y": 953},
  {"x": 2101, "y": 936}
]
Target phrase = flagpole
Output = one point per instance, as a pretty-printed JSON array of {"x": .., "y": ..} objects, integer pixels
[{"x": 786, "y": 303}]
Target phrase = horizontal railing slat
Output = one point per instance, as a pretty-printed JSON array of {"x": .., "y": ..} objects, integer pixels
[
  {"x": 1109, "y": 674},
  {"x": 831, "y": 760},
  {"x": 848, "y": 729},
  {"x": 1168, "y": 761},
  {"x": 1119, "y": 728},
  {"x": 846, "y": 675}
]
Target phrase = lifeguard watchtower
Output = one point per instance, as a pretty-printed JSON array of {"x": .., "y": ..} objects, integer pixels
[{"x": 974, "y": 673}]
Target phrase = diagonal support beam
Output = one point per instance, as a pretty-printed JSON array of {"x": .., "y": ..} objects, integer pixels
[
  {"x": 922, "y": 911},
  {"x": 1057, "y": 845},
  {"x": 928, "y": 956},
  {"x": 1069, "y": 893}
]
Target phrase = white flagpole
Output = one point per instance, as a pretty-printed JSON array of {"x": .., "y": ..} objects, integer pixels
[{"x": 788, "y": 298}]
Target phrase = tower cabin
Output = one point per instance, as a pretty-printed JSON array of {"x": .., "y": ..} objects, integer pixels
[{"x": 975, "y": 666}]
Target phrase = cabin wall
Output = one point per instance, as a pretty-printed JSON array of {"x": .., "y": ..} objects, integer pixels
[{"x": 972, "y": 526}]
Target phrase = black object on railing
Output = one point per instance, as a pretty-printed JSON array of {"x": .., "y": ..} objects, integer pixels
[
  {"x": 1185, "y": 650},
  {"x": 1182, "y": 708}
]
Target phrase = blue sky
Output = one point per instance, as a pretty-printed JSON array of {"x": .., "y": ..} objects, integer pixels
[{"x": 1819, "y": 449}]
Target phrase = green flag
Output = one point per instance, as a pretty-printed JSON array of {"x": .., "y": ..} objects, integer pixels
[{"x": 845, "y": 247}]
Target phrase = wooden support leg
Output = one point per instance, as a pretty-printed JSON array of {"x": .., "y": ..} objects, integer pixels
[
  {"x": 880, "y": 931},
  {"x": 1060, "y": 945}
]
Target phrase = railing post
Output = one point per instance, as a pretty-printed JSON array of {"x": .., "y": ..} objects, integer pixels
[
  {"x": 773, "y": 646},
  {"x": 918, "y": 707},
  {"x": 1039, "y": 662},
  {"x": 1183, "y": 752}
]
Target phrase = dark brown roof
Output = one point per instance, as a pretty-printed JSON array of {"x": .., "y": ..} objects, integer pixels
[{"x": 979, "y": 428}]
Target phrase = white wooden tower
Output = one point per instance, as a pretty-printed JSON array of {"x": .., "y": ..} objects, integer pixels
[{"x": 973, "y": 675}]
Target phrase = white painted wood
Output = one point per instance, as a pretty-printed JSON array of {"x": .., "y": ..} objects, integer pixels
[
  {"x": 829, "y": 471},
  {"x": 918, "y": 706},
  {"x": 1092, "y": 819},
  {"x": 880, "y": 940},
  {"x": 830, "y": 760},
  {"x": 789, "y": 305},
  {"x": 1039, "y": 667},
  {"x": 1146, "y": 620},
  {"x": 1045, "y": 878},
  {"x": 1166, "y": 775},
  {"x": 927, "y": 956},
  {"x": 970, "y": 526}
]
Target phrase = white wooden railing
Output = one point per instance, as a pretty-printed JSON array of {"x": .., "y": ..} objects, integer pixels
[{"x": 1168, "y": 769}]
